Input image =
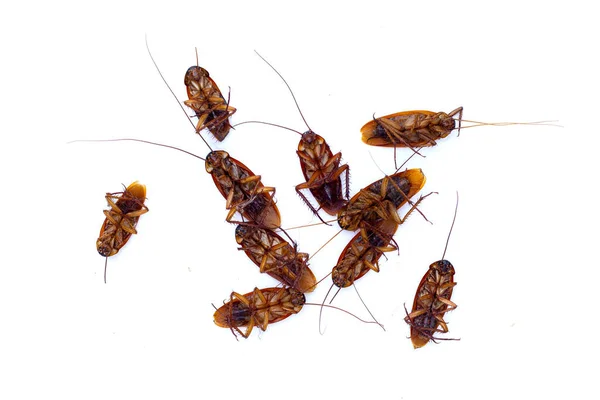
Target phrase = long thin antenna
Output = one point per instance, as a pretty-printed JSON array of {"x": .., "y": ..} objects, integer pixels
[
  {"x": 288, "y": 86},
  {"x": 451, "y": 227},
  {"x": 105, "y": 264},
  {"x": 369, "y": 311},
  {"x": 173, "y": 93},
  {"x": 138, "y": 140},
  {"x": 267, "y": 123}
]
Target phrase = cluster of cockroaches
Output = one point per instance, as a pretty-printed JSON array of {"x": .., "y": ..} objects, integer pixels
[{"x": 372, "y": 213}]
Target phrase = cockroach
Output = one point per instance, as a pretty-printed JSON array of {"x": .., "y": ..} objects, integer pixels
[
  {"x": 321, "y": 168},
  {"x": 258, "y": 308},
  {"x": 262, "y": 307},
  {"x": 432, "y": 300},
  {"x": 126, "y": 207},
  {"x": 206, "y": 100},
  {"x": 411, "y": 128},
  {"x": 243, "y": 190},
  {"x": 275, "y": 256},
  {"x": 381, "y": 199},
  {"x": 362, "y": 253},
  {"x": 420, "y": 128}
]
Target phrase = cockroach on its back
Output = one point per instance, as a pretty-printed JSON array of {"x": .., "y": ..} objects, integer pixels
[
  {"x": 321, "y": 168},
  {"x": 243, "y": 190},
  {"x": 121, "y": 219},
  {"x": 260, "y": 308},
  {"x": 412, "y": 129},
  {"x": 421, "y": 128},
  {"x": 206, "y": 100},
  {"x": 362, "y": 253},
  {"x": 275, "y": 256},
  {"x": 322, "y": 172},
  {"x": 432, "y": 300},
  {"x": 376, "y": 200}
]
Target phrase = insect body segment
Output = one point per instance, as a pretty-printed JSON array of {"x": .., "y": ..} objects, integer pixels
[
  {"x": 121, "y": 219},
  {"x": 410, "y": 128},
  {"x": 243, "y": 190},
  {"x": 258, "y": 308},
  {"x": 205, "y": 98},
  {"x": 275, "y": 256}
]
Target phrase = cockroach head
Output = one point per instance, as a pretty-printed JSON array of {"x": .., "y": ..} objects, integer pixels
[
  {"x": 104, "y": 250},
  {"x": 443, "y": 266},
  {"x": 297, "y": 298},
  {"x": 448, "y": 123},
  {"x": 195, "y": 73},
  {"x": 214, "y": 159},
  {"x": 309, "y": 136}
]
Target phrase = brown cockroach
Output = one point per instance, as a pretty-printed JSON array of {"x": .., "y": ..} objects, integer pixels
[
  {"x": 381, "y": 199},
  {"x": 206, "y": 100},
  {"x": 243, "y": 190},
  {"x": 411, "y": 128},
  {"x": 432, "y": 300},
  {"x": 362, "y": 253},
  {"x": 275, "y": 256},
  {"x": 260, "y": 308},
  {"x": 126, "y": 207},
  {"x": 321, "y": 168},
  {"x": 421, "y": 128}
]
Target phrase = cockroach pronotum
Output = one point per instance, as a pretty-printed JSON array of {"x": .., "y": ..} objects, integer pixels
[
  {"x": 206, "y": 100},
  {"x": 126, "y": 207},
  {"x": 275, "y": 256},
  {"x": 321, "y": 168},
  {"x": 260, "y": 307},
  {"x": 432, "y": 300}
]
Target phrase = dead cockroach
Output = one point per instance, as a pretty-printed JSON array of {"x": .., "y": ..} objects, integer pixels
[
  {"x": 206, "y": 100},
  {"x": 260, "y": 307},
  {"x": 126, "y": 207},
  {"x": 420, "y": 128},
  {"x": 432, "y": 300},
  {"x": 381, "y": 199},
  {"x": 410, "y": 128},
  {"x": 275, "y": 256},
  {"x": 243, "y": 190},
  {"x": 321, "y": 168},
  {"x": 362, "y": 253}
]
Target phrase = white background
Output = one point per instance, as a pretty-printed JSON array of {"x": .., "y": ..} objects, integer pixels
[{"x": 524, "y": 244}]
